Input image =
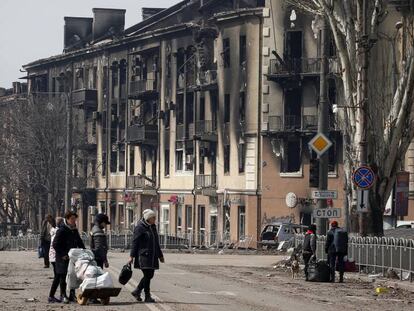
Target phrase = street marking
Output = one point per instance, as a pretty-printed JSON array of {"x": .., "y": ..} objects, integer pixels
[
  {"x": 153, "y": 307},
  {"x": 220, "y": 293}
]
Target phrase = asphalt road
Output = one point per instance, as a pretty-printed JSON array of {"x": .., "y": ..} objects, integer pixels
[{"x": 199, "y": 282}]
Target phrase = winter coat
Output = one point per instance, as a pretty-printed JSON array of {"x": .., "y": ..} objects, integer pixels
[
  {"x": 52, "y": 252},
  {"x": 66, "y": 238},
  {"x": 45, "y": 232},
  {"x": 99, "y": 244},
  {"x": 309, "y": 243},
  {"x": 330, "y": 247},
  {"x": 146, "y": 247}
]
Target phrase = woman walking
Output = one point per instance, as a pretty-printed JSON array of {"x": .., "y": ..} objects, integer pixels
[
  {"x": 146, "y": 253},
  {"x": 52, "y": 259},
  {"x": 67, "y": 237}
]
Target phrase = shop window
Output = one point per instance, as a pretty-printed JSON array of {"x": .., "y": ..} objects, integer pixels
[
  {"x": 189, "y": 217},
  {"x": 179, "y": 218}
]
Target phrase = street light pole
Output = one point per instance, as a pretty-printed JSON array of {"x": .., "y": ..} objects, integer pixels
[
  {"x": 323, "y": 121},
  {"x": 69, "y": 147}
]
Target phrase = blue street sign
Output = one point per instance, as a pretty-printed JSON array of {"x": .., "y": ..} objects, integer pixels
[{"x": 363, "y": 177}]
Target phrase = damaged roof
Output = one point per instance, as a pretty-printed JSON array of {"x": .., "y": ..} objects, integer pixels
[{"x": 135, "y": 32}]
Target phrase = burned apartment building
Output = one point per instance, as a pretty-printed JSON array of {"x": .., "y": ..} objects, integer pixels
[{"x": 203, "y": 111}]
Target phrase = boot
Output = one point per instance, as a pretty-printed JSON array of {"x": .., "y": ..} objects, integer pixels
[
  {"x": 149, "y": 299},
  {"x": 341, "y": 278},
  {"x": 137, "y": 295}
]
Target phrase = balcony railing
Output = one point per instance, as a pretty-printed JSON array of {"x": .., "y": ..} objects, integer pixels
[
  {"x": 143, "y": 134},
  {"x": 85, "y": 98},
  {"x": 206, "y": 181},
  {"x": 142, "y": 88},
  {"x": 297, "y": 123},
  {"x": 310, "y": 122},
  {"x": 182, "y": 133},
  {"x": 207, "y": 79},
  {"x": 204, "y": 127},
  {"x": 139, "y": 182},
  {"x": 301, "y": 66}
]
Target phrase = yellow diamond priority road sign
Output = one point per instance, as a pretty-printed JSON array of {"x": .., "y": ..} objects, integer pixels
[{"x": 320, "y": 144}]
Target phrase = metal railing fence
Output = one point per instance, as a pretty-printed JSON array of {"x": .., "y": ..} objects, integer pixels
[
  {"x": 375, "y": 254},
  {"x": 181, "y": 240}
]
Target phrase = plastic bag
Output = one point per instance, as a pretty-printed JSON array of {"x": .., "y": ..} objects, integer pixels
[
  {"x": 319, "y": 271},
  {"x": 103, "y": 281},
  {"x": 75, "y": 255}
]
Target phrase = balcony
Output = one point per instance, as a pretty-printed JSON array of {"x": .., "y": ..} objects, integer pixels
[
  {"x": 206, "y": 181},
  {"x": 142, "y": 134},
  {"x": 302, "y": 68},
  {"x": 304, "y": 124},
  {"x": 143, "y": 89},
  {"x": 207, "y": 80},
  {"x": 141, "y": 182},
  {"x": 206, "y": 130},
  {"x": 85, "y": 99},
  {"x": 183, "y": 134}
]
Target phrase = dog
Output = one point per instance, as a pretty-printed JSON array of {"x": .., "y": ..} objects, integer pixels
[{"x": 294, "y": 268}]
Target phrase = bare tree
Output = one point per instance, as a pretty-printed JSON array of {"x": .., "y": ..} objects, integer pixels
[{"x": 377, "y": 117}]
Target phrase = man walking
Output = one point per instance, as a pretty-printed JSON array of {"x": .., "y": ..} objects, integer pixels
[
  {"x": 309, "y": 247},
  {"x": 98, "y": 241},
  {"x": 337, "y": 248}
]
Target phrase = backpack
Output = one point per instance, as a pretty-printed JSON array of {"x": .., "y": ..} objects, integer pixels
[{"x": 340, "y": 241}]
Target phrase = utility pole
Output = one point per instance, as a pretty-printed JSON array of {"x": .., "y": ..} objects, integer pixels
[
  {"x": 69, "y": 148},
  {"x": 323, "y": 121},
  {"x": 362, "y": 100}
]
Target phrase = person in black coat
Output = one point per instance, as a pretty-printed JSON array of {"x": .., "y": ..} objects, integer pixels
[
  {"x": 98, "y": 240},
  {"x": 336, "y": 247},
  {"x": 309, "y": 247},
  {"x": 146, "y": 253},
  {"x": 67, "y": 237}
]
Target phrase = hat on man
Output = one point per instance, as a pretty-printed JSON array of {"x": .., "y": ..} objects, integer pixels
[
  {"x": 100, "y": 218},
  {"x": 334, "y": 224},
  {"x": 148, "y": 214}
]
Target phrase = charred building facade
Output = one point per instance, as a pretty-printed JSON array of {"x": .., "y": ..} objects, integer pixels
[{"x": 203, "y": 111}]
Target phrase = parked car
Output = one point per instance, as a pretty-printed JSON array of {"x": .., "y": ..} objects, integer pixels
[{"x": 274, "y": 233}]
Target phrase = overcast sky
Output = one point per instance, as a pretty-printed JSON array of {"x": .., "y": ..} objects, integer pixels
[{"x": 33, "y": 29}]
